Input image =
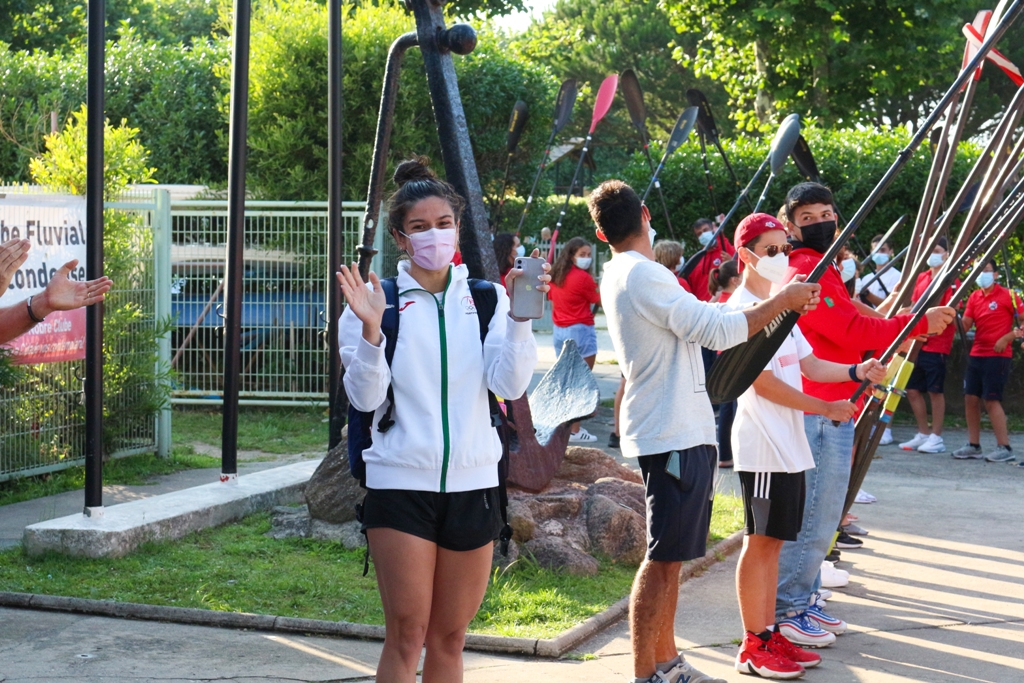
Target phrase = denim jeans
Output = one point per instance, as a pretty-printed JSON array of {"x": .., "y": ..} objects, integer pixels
[{"x": 800, "y": 560}]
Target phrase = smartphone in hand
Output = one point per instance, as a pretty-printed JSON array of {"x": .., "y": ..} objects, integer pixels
[{"x": 527, "y": 300}]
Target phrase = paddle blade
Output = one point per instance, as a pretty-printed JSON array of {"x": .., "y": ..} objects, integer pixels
[
  {"x": 516, "y": 124},
  {"x": 684, "y": 126},
  {"x": 705, "y": 120},
  {"x": 605, "y": 96},
  {"x": 784, "y": 142},
  {"x": 634, "y": 97},
  {"x": 565, "y": 102},
  {"x": 736, "y": 369},
  {"x": 804, "y": 160}
]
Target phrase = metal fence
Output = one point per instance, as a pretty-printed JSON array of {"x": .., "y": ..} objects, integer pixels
[
  {"x": 42, "y": 417},
  {"x": 284, "y": 356}
]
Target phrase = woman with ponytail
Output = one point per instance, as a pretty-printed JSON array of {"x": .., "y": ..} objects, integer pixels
[{"x": 431, "y": 512}]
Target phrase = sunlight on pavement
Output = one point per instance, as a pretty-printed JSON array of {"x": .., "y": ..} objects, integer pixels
[{"x": 322, "y": 654}]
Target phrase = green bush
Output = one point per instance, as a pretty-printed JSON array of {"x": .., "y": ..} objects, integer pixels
[
  {"x": 850, "y": 161},
  {"x": 288, "y": 99}
]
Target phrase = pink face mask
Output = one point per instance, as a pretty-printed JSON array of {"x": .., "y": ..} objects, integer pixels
[{"x": 433, "y": 249}]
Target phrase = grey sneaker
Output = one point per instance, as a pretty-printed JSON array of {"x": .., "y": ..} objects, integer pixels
[
  {"x": 967, "y": 451},
  {"x": 1001, "y": 454},
  {"x": 683, "y": 672}
]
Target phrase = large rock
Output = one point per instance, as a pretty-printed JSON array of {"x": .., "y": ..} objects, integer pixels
[
  {"x": 616, "y": 530},
  {"x": 626, "y": 493},
  {"x": 332, "y": 491},
  {"x": 289, "y": 522},
  {"x": 568, "y": 504},
  {"x": 348, "y": 534},
  {"x": 587, "y": 465},
  {"x": 521, "y": 520},
  {"x": 557, "y": 553}
]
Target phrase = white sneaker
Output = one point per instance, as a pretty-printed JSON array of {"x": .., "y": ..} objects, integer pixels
[
  {"x": 934, "y": 444},
  {"x": 823, "y": 594},
  {"x": 582, "y": 436},
  {"x": 915, "y": 442},
  {"x": 886, "y": 438},
  {"x": 832, "y": 577},
  {"x": 683, "y": 672},
  {"x": 865, "y": 498}
]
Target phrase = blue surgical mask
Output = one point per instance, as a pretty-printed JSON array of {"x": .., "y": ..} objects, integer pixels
[
  {"x": 705, "y": 238},
  {"x": 935, "y": 260},
  {"x": 986, "y": 279},
  {"x": 880, "y": 259},
  {"x": 521, "y": 251},
  {"x": 849, "y": 269}
]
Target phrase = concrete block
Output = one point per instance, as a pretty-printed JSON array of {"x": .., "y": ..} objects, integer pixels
[{"x": 124, "y": 527}]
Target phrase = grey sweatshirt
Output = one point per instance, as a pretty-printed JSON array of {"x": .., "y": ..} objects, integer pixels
[{"x": 658, "y": 328}]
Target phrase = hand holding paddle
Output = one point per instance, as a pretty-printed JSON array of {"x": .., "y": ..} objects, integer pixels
[{"x": 799, "y": 296}]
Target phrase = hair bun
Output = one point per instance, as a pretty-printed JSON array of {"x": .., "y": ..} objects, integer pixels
[{"x": 417, "y": 168}]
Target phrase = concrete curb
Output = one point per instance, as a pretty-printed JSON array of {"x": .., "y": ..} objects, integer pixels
[{"x": 539, "y": 647}]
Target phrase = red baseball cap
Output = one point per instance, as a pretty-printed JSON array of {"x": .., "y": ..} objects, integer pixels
[{"x": 753, "y": 225}]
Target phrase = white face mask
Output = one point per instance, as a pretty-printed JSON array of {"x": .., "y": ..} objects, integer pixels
[
  {"x": 705, "y": 238},
  {"x": 986, "y": 280},
  {"x": 849, "y": 269},
  {"x": 651, "y": 232},
  {"x": 773, "y": 268},
  {"x": 583, "y": 262},
  {"x": 935, "y": 260},
  {"x": 521, "y": 251}
]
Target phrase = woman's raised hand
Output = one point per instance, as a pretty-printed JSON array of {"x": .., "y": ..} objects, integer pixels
[
  {"x": 367, "y": 305},
  {"x": 545, "y": 279}
]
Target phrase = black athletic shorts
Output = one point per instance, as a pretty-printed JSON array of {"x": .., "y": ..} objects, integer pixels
[
  {"x": 679, "y": 510},
  {"x": 929, "y": 375},
  {"x": 773, "y": 503},
  {"x": 460, "y": 521},
  {"x": 986, "y": 377}
]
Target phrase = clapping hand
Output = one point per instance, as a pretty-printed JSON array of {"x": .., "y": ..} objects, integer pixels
[
  {"x": 13, "y": 254},
  {"x": 367, "y": 305}
]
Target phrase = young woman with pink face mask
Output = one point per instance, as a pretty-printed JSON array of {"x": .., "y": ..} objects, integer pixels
[{"x": 431, "y": 512}]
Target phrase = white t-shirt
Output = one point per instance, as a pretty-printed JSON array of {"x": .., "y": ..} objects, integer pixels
[
  {"x": 766, "y": 436},
  {"x": 889, "y": 279}
]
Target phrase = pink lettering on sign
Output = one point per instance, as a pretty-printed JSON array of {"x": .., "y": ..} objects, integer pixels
[{"x": 61, "y": 337}]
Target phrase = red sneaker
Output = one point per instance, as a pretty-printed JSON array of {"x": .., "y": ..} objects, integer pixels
[
  {"x": 761, "y": 659},
  {"x": 794, "y": 653}
]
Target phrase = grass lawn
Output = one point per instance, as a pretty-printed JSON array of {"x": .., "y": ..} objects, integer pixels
[
  {"x": 236, "y": 568},
  {"x": 131, "y": 471},
  {"x": 271, "y": 430}
]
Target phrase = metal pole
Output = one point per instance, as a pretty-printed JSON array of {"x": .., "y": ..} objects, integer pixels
[
  {"x": 94, "y": 261},
  {"x": 437, "y": 43},
  {"x": 335, "y": 223},
  {"x": 162, "y": 285},
  {"x": 236, "y": 239}
]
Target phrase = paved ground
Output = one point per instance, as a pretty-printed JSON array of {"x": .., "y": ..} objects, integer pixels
[{"x": 937, "y": 595}]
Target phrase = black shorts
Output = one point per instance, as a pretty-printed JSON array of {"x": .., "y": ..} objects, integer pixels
[
  {"x": 986, "y": 377},
  {"x": 679, "y": 510},
  {"x": 460, "y": 521},
  {"x": 773, "y": 503},
  {"x": 929, "y": 375}
]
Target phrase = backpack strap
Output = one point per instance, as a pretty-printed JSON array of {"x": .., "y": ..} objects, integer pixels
[
  {"x": 485, "y": 299},
  {"x": 389, "y": 328}
]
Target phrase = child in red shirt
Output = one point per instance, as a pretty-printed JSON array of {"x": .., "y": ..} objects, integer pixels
[
  {"x": 716, "y": 255},
  {"x": 573, "y": 296},
  {"x": 993, "y": 311}
]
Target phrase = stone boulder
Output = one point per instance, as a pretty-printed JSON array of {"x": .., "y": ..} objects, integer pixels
[
  {"x": 521, "y": 520},
  {"x": 587, "y": 465},
  {"x": 347, "y": 534},
  {"x": 626, "y": 493},
  {"x": 616, "y": 530},
  {"x": 332, "y": 492},
  {"x": 557, "y": 553}
]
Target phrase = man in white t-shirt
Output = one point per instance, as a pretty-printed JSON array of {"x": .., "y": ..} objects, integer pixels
[
  {"x": 886, "y": 283},
  {"x": 772, "y": 454}
]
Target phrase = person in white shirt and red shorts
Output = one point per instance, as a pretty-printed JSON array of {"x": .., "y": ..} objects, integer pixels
[{"x": 771, "y": 453}]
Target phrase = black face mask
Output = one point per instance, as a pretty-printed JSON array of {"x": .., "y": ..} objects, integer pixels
[{"x": 818, "y": 236}]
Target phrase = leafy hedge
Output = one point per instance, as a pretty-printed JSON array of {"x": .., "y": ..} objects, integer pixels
[{"x": 851, "y": 162}]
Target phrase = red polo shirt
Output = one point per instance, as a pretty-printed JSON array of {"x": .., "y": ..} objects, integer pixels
[
  {"x": 571, "y": 304},
  {"x": 836, "y": 330},
  {"x": 684, "y": 284},
  {"x": 698, "y": 277},
  {"x": 992, "y": 314},
  {"x": 940, "y": 343}
]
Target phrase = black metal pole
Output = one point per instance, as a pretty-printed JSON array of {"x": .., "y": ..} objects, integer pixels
[
  {"x": 335, "y": 224},
  {"x": 235, "y": 238},
  {"x": 94, "y": 260},
  {"x": 437, "y": 43}
]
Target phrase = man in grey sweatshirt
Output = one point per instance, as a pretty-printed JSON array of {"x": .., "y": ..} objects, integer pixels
[{"x": 667, "y": 423}]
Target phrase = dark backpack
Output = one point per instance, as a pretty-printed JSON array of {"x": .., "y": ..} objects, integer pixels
[{"x": 360, "y": 424}]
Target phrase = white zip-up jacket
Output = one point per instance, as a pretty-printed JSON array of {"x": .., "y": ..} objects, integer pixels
[{"x": 442, "y": 439}]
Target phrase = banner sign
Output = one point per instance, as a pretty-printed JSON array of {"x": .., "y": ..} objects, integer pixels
[{"x": 55, "y": 226}]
